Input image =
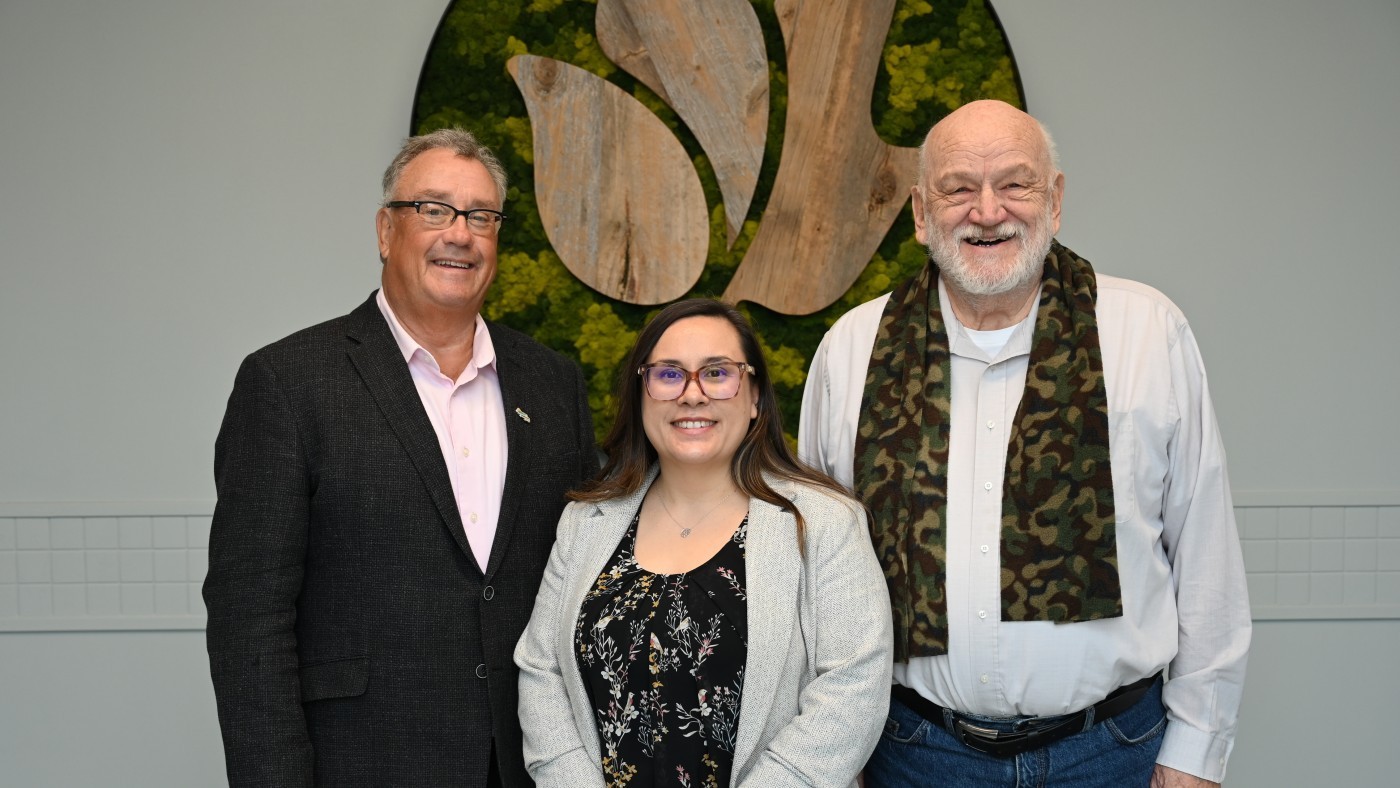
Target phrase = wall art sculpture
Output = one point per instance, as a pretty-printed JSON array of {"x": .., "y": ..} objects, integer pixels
[{"x": 658, "y": 149}]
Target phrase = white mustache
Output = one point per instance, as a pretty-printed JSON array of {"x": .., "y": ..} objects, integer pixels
[{"x": 1004, "y": 230}]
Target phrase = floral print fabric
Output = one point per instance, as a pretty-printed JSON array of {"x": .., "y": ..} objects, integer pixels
[{"x": 663, "y": 658}]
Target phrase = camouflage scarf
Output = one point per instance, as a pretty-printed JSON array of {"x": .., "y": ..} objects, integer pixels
[{"x": 1059, "y": 560}]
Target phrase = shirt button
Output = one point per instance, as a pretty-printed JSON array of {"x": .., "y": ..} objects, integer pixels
[
  {"x": 488, "y": 593},
  {"x": 466, "y": 452},
  {"x": 987, "y": 486},
  {"x": 481, "y": 671},
  {"x": 990, "y": 424},
  {"x": 985, "y": 548},
  {"x": 983, "y": 678},
  {"x": 981, "y": 614},
  {"x": 473, "y": 516}
]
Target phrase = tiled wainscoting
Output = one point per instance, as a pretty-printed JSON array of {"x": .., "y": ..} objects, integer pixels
[
  {"x": 1311, "y": 562},
  {"x": 97, "y": 573},
  {"x": 126, "y": 571}
]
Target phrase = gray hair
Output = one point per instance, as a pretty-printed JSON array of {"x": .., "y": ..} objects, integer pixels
[
  {"x": 459, "y": 141},
  {"x": 1051, "y": 151}
]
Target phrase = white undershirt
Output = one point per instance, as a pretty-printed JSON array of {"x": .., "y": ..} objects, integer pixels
[{"x": 992, "y": 341}]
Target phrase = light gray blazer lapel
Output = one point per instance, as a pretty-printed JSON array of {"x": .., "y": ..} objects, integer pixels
[
  {"x": 594, "y": 542},
  {"x": 773, "y": 572}
]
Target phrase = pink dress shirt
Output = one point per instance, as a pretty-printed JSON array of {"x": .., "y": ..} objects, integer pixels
[{"x": 469, "y": 418}]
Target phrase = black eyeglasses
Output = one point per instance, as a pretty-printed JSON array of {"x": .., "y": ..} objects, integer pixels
[
  {"x": 438, "y": 215},
  {"x": 665, "y": 382}
]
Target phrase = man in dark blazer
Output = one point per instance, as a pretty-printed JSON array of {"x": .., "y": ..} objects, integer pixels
[{"x": 371, "y": 564}]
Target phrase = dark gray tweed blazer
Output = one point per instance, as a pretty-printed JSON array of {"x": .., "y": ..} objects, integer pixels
[{"x": 353, "y": 640}]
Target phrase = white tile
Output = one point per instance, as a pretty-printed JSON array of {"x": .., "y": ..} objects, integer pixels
[
  {"x": 1360, "y": 588},
  {"x": 8, "y": 573},
  {"x": 1260, "y": 556},
  {"x": 1329, "y": 522},
  {"x": 1326, "y": 588},
  {"x": 1388, "y": 555},
  {"x": 170, "y": 566},
  {"x": 1294, "y": 522},
  {"x": 33, "y": 566},
  {"x": 1387, "y": 522},
  {"x": 1361, "y": 555},
  {"x": 1259, "y": 523},
  {"x": 199, "y": 564},
  {"x": 196, "y": 599},
  {"x": 135, "y": 532},
  {"x": 70, "y": 600},
  {"x": 35, "y": 601},
  {"x": 198, "y": 530},
  {"x": 1293, "y": 590},
  {"x": 1388, "y": 588},
  {"x": 1293, "y": 555},
  {"x": 168, "y": 531},
  {"x": 7, "y": 533},
  {"x": 138, "y": 599},
  {"x": 137, "y": 566},
  {"x": 172, "y": 599},
  {"x": 69, "y": 566},
  {"x": 66, "y": 533},
  {"x": 1327, "y": 556},
  {"x": 104, "y": 599},
  {"x": 1360, "y": 521},
  {"x": 103, "y": 566},
  {"x": 1263, "y": 589},
  {"x": 32, "y": 533},
  {"x": 101, "y": 533},
  {"x": 9, "y": 600}
]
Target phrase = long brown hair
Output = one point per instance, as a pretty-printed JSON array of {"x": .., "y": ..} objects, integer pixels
[{"x": 764, "y": 449}]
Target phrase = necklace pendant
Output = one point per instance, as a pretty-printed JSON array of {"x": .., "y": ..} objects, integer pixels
[{"x": 685, "y": 534}]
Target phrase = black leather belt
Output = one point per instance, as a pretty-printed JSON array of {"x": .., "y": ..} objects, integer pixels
[{"x": 1028, "y": 734}]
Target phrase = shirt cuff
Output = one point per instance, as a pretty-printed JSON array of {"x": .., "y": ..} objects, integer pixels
[{"x": 1195, "y": 752}]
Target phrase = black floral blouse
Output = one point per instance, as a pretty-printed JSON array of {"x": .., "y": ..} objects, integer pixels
[{"x": 663, "y": 657}]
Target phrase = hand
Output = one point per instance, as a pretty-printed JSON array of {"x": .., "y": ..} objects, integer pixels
[{"x": 1167, "y": 777}]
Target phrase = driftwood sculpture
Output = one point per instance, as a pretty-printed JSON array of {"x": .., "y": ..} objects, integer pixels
[
  {"x": 707, "y": 61},
  {"x": 620, "y": 199},
  {"x": 839, "y": 186},
  {"x": 618, "y": 196}
]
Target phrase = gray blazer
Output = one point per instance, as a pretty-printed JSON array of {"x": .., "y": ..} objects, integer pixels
[{"x": 817, "y": 675}]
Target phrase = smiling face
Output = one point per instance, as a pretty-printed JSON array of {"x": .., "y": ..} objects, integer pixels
[
  {"x": 989, "y": 200},
  {"x": 694, "y": 430},
  {"x": 432, "y": 273}
]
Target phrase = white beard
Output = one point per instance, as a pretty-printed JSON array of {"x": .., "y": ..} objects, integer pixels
[{"x": 946, "y": 252}]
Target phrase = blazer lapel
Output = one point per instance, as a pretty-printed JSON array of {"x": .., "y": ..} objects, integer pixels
[
  {"x": 773, "y": 571},
  {"x": 521, "y": 384},
  {"x": 594, "y": 543},
  {"x": 380, "y": 363}
]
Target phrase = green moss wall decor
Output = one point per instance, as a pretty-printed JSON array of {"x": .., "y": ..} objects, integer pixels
[{"x": 935, "y": 57}]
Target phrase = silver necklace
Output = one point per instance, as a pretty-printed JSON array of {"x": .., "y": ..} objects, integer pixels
[{"x": 686, "y": 529}]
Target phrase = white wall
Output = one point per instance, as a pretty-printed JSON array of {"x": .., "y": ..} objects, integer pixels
[
  {"x": 180, "y": 183},
  {"x": 1239, "y": 156}
]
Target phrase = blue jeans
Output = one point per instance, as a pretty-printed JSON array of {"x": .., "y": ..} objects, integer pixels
[{"x": 1117, "y": 753}]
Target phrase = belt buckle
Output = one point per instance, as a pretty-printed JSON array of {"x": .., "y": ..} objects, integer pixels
[
  {"x": 976, "y": 737},
  {"x": 978, "y": 731}
]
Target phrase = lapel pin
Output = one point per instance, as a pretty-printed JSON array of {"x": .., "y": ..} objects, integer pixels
[{"x": 523, "y": 415}]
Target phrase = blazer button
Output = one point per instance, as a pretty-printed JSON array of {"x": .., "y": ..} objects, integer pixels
[
  {"x": 487, "y": 593},
  {"x": 481, "y": 671}
]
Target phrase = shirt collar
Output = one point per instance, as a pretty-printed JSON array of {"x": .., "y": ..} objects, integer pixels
[
  {"x": 960, "y": 344},
  {"x": 483, "y": 352}
]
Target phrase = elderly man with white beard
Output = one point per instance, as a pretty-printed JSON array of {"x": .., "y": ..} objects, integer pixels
[{"x": 1038, "y": 449}]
